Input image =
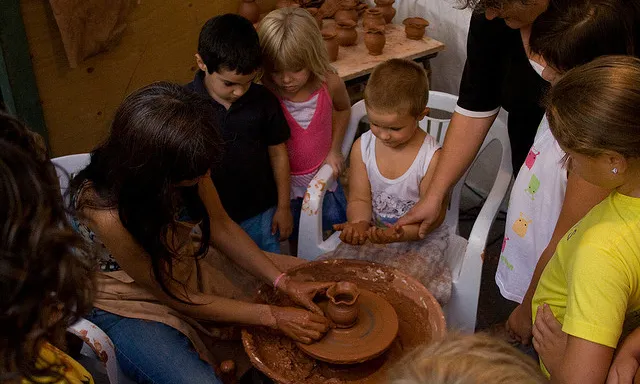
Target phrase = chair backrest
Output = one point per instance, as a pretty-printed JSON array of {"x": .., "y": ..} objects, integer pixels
[
  {"x": 358, "y": 111},
  {"x": 67, "y": 167}
]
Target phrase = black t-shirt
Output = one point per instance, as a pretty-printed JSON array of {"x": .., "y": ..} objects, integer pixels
[
  {"x": 498, "y": 73},
  {"x": 244, "y": 177}
]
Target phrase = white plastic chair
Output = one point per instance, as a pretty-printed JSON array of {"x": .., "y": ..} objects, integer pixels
[
  {"x": 310, "y": 242},
  {"x": 97, "y": 345},
  {"x": 465, "y": 257}
]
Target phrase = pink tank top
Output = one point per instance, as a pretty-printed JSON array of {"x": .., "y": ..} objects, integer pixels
[{"x": 309, "y": 147}]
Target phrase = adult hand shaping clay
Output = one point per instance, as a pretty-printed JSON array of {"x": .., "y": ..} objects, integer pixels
[
  {"x": 302, "y": 292},
  {"x": 298, "y": 324}
]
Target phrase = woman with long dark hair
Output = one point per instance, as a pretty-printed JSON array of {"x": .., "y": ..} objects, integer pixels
[{"x": 164, "y": 282}]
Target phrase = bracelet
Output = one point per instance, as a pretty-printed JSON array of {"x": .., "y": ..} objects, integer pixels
[{"x": 277, "y": 280}]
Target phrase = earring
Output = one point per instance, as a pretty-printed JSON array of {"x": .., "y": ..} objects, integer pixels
[{"x": 614, "y": 171}]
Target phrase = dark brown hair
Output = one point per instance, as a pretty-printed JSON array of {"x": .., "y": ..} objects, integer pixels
[
  {"x": 161, "y": 134},
  {"x": 397, "y": 85},
  {"x": 583, "y": 31},
  {"x": 45, "y": 279},
  {"x": 594, "y": 107}
]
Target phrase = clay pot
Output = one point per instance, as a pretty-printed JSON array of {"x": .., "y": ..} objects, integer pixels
[
  {"x": 317, "y": 16},
  {"x": 343, "y": 304},
  {"x": 414, "y": 27},
  {"x": 372, "y": 18},
  {"x": 287, "y": 4},
  {"x": 387, "y": 9},
  {"x": 374, "y": 40},
  {"x": 331, "y": 43},
  {"x": 347, "y": 11},
  {"x": 347, "y": 34},
  {"x": 249, "y": 10},
  {"x": 361, "y": 8}
]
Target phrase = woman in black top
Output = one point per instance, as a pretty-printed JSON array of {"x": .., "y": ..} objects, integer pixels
[{"x": 497, "y": 74}]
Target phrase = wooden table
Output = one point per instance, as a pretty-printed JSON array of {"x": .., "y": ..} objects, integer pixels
[{"x": 354, "y": 63}]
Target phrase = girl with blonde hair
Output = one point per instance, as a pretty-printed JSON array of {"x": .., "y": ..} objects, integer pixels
[{"x": 314, "y": 100}]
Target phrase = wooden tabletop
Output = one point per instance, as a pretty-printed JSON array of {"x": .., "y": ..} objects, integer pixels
[{"x": 355, "y": 61}]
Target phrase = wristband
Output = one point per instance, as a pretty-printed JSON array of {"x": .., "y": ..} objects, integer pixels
[{"x": 277, "y": 280}]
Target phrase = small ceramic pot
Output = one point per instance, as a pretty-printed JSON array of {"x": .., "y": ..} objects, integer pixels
[
  {"x": 361, "y": 8},
  {"x": 331, "y": 43},
  {"x": 249, "y": 10},
  {"x": 387, "y": 9},
  {"x": 343, "y": 304},
  {"x": 347, "y": 34},
  {"x": 414, "y": 27},
  {"x": 374, "y": 40},
  {"x": 372, "y": 18},
  {"x": 317, "y": 16},
  {"x": 347, "y": 11}
]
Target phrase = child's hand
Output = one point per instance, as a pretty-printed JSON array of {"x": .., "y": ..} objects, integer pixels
[
  {"x": 519, "y": 324},
  {"x": 283, "y": 222},
  {"x": 353, "y": 233},
  {"x": 336, "y": 161},
  {"x": 548, "y": 339},
  {"x": 385, "y": 235},
  {"x": 623, "y": 370}
]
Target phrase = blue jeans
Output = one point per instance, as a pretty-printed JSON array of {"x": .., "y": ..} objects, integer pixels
[
  {"x": 153, "y": 353},
  {"x": 258, "y": 228},
  {"x": 334, "y": 210}
]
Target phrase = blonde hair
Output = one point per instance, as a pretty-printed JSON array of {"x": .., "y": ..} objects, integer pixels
[
  {"x": 290, "y": 39},
  {"x": 399, "y": 86},
  {"x": 467, "y": 359},
  {"x": 594, "y": 107}
]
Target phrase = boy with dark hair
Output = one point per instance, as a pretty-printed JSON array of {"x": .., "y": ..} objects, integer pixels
[{"x": 252, "y": 178}]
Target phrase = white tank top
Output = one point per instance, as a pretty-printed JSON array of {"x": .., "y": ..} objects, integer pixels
[
  {"x": 534, "y": 207},
  {"x": 392, "y": 198}
]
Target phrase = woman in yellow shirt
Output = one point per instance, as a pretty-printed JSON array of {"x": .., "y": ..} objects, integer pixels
[
  {"x": 45, "y": 275},
  {"x": 592, "y": 283}
]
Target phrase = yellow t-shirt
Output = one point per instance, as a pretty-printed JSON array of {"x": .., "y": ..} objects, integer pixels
[
  {"x": 592, "y": 282},
  {"x": 72, "y": 372}
]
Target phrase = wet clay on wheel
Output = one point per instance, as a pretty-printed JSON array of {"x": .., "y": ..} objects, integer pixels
[{"x": 419, "y": 316}]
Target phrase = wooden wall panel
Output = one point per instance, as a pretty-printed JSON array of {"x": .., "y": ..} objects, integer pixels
[{"x": 159, "y": 44}]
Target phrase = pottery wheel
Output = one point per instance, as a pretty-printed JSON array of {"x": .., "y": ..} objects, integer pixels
[{"x": 372, "y": 334}]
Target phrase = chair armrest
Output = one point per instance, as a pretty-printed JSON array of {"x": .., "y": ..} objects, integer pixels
[
  {"x": 310, "y": 230},
  {"x": 100, "y": 344}
]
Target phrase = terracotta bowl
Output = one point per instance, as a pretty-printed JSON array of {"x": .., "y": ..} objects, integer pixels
[{"x": 420, "y": 321}]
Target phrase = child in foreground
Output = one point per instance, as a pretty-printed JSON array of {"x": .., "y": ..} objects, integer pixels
[
  {"x": 45, "y": 279},
  {"x": 390, "y": 168},
  {"x": 467, "y": 359},
  {"x": 315, "y": 104},
  {"x": 590, "y": 285}
]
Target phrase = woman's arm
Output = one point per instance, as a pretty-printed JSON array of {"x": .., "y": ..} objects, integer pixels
[
  {"x": 296, "y": 323},
  {"x": 340, "y": 120},
  {"x": 579, "y": 198},
  {"x": 133, "y": 259},
  {"x": 461, "y": 144},
  {"x": 230, "y": 239}
]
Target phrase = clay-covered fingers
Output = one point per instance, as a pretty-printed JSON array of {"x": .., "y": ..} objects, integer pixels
[
  {"x": 339, "y": 227},
  {"x": 303, "y": 292},
  {"x": 300, "y": 325},
  {"x": 385, "y": 235}
]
